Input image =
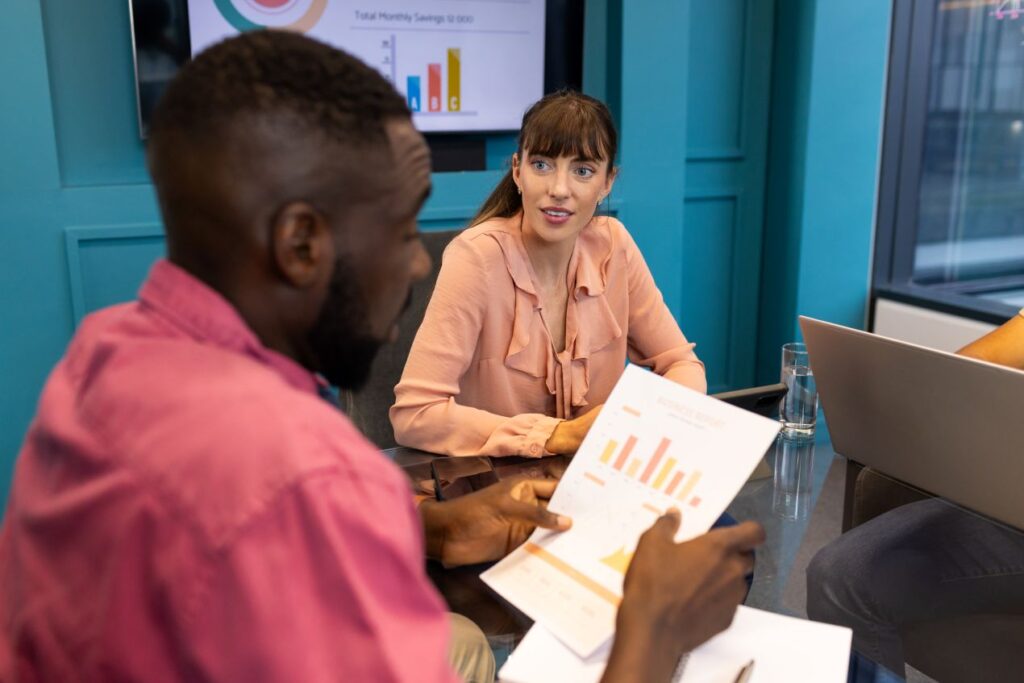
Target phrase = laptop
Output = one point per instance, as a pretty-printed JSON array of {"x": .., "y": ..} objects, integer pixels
[{"x": 946, "y": 424}]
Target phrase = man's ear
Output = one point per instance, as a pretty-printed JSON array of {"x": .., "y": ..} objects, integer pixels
[{"x": 301, "y": 244}]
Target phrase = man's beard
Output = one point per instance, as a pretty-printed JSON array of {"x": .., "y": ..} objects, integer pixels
[{"x": 340, "y": 338}]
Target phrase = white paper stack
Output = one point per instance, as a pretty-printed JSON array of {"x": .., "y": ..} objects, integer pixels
[{"x": 783, "y": 649}]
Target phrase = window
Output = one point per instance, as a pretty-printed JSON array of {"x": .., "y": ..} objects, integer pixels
[{"x": 951, "y": 200}]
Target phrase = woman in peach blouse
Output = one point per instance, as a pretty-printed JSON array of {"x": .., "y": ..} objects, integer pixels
[{"x": 538, "y": 304}]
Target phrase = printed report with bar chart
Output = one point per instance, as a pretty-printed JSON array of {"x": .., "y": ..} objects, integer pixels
[
  {"x": 462, "y": 65},
  {"x": 655, "y": 445}
]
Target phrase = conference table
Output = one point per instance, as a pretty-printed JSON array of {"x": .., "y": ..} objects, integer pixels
[{"x": 782, "y": 492}]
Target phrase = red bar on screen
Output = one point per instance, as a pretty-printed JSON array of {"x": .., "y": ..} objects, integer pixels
[{"x": 434, "y": 87}]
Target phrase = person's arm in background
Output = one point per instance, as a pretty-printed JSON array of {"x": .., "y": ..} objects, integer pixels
[
  {"x": 655, "y": 340},
  {"x": 1003, "y": 345},
  {"x": 426, "y": 414}
]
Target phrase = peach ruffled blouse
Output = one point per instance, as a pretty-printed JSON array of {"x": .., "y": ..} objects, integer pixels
[{"x": 483, "y": 377}]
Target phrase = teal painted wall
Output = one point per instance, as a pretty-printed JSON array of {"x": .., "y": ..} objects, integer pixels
[
  {"x": 828, "y": 95},
  {"x": 79, "y": 223},
  {"x": 694, "y": 116}
]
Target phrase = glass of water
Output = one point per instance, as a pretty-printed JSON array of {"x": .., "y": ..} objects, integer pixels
[
  {"x": 799, "y": 410},
  {"x": 794, "y": 468}
]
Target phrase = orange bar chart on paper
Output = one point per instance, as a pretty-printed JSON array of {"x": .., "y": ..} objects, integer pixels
[
  {"x": 626, "y": 450},
  {"x": 653, "y": 462},
  {"x": 654, "y": 446},
  {"x": 609, "y": 450}
]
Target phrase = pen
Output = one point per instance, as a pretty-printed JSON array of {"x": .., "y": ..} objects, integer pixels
[{"x": 744, "y": 675}]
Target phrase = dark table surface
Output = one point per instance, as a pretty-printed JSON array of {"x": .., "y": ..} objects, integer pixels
[{"x": 780, "y": 494}]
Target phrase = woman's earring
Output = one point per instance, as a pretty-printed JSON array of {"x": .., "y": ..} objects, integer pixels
[{"x": 519, "y": 189}]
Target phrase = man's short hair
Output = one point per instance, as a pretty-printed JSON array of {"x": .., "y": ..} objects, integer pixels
[{"x": 276, "y": 73}]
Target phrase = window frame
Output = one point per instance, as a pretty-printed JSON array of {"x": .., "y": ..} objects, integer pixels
[{"x": 899, "y": 181}]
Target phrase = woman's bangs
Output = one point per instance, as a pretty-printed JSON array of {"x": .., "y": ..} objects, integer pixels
[{"x": 572, "y": 134}]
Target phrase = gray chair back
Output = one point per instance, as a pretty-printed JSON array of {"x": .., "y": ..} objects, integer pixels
[{"x": 368, "y": 408}]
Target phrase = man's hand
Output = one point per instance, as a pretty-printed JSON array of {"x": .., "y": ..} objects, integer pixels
[
  {"x": 678, "y": 595},
  {"x": 569, "y": 434},
  {"x": 488, "y": 524}
]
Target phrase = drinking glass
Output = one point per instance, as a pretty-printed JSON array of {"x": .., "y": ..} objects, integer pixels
[
  {"x": 799, "y": 410},
  {"x": 794, "y": 467}
]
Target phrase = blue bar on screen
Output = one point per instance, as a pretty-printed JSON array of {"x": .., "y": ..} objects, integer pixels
[{"x": 413, "y": 92}]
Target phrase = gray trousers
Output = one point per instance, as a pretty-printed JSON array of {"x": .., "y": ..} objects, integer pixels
[{"x": 919, "y": 562}]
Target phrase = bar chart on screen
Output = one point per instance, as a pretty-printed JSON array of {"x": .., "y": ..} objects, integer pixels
[
  {"x": 448, "y": 57},
  {"x": 439, "y": 99},
  {"x": 460, "y": 64},
  {"x": 655, "y": 446}
]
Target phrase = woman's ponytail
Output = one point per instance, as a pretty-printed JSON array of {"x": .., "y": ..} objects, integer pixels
[{"x": 504, "y": 201}]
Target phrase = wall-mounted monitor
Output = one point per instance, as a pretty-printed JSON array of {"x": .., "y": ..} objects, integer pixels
[{"x": 462, "y": 65}]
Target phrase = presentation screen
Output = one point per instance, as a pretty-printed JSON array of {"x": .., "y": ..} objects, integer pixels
[{"x": 462, "y": 65}]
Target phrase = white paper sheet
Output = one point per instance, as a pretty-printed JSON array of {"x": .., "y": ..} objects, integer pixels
[
  {"x": 784, "y": 650},
  {"x": 655, "y": 445}
]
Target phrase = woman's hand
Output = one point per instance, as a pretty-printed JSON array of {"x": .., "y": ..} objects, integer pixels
[{"x": 569, "y": 434}]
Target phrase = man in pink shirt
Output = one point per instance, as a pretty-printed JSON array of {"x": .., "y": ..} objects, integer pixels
[{"x": 187, "y": 506}]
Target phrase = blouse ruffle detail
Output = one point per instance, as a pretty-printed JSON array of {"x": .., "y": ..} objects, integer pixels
[{"x": 566, "y": 375}]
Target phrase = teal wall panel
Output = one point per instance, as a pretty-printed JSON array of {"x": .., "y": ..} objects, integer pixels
[
  {"x": 730, "y": 55},
  {"x": 842, "y": 158},
  {"x": 704, "y": 101},
  {"x": 93, "y": 89},
  {"x": 719, "y": 38},
  {"x": 27, "y": 147},
  {"x": 653, "y": 140},
  {"x": 791, "y": 82},
  {"x": 602, "y": 59},
  {"x": 106, "y": 264},
  {"x": 710, "y": 233},
  {"x": 827, "y": 104}
]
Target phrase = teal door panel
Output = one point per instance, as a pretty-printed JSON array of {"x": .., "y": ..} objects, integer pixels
[
  {"x": 730, "y": 47},
  {"x": 710, "y": 231},
  {"x": 106, "y": 265},
  {"x": 92, "y": 81}
]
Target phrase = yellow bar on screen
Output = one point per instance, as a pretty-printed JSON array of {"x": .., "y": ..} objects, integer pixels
[{"x": 454, "y": 79}]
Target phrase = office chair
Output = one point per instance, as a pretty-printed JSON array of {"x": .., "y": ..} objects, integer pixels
[{"x": 368, "y": 408}]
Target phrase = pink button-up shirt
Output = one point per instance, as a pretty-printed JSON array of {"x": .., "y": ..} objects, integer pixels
[
  {"x": 186, "y": 507},
  {"x": 483, "y": 376}
]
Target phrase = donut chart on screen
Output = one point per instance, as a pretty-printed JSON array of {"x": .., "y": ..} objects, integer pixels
[{"x": 259, "y": 14}]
